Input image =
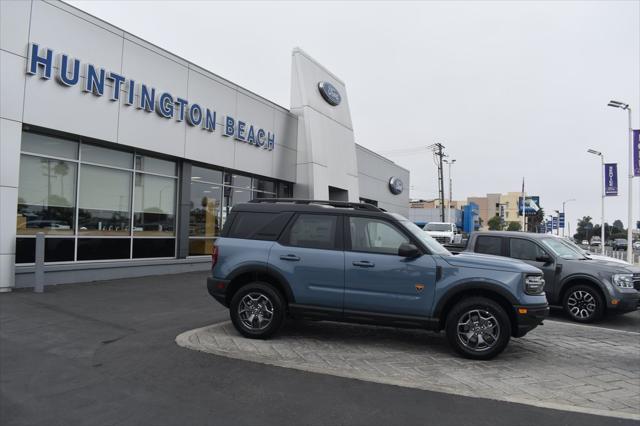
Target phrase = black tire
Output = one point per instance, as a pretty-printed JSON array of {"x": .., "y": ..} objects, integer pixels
[
  {"x": 263, "y": 298},
  {"x": 583, "y": 308},
  {"x": 492, "y": 313}
]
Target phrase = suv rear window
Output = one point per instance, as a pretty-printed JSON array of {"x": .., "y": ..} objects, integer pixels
[
  {"x": 489, "y": 245},
  {"x": 314, "y": 231},
  {"x": 258, "y": 226}
]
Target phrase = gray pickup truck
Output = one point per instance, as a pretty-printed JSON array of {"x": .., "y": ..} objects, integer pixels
[{"x": 586, "y": 288}]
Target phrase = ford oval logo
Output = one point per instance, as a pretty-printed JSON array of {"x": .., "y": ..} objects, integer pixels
[
  {"x": 395, "y": 185},
  {"x": 329, "y": 93}
]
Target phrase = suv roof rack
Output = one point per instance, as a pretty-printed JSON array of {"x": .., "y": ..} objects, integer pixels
[{"x": 343, "y": 204}]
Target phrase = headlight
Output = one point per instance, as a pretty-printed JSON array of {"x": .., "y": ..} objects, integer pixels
[
  {"x": 533, "y": 284},
  {"x": 623, "y": 280}
]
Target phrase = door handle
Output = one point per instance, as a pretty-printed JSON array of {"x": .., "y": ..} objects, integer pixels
[
  {"x": 364, "y": 264},
  {"x": 291, "y": 257}
]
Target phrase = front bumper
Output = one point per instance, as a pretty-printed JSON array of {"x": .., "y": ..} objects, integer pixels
[
  {"x": 217, "y": 288},
  {"x": 627, "y": 302},
  {"x": 529, "y": 317}
]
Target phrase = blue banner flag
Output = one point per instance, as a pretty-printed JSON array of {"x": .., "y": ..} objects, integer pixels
[
  {"x": 561, "y": 221},
  {"x": 636, "y": 152},
  {"x": 611, "y": 179}
]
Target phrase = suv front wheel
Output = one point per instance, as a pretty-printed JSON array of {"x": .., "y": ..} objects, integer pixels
[
  {"x": 478, "y": 328},
  {"x": 583, "y": 303},
  {"x": 257, "y": 310}
]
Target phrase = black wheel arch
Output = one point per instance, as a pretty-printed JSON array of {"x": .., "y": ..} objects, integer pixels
[
  {"x": 582, "y": 279},
  {"x": 258, "y": 272},
  {"x": 482, "y": 289}
]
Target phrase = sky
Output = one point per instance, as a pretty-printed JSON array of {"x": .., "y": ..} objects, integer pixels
[{"x": 512, "y": 89}]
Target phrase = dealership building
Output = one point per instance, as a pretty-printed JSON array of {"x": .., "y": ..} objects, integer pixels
[{"x": 129, "y": 158}]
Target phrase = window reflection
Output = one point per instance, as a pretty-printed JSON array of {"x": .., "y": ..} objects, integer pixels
[
  {"x": 104, "y": 202},
  {"x": 155, "y": 201},
  {"x": 205, "y": 208},
  {"x": 46, "y": 196}
]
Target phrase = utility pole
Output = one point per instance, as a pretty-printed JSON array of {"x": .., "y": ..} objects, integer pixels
[
  {"x": 438, "y": 151},
  {"x": 450, "y": 163}
]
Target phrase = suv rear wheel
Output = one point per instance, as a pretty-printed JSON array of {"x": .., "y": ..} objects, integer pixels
[
  {"x": 257, "y": 310},
  {"x": 583, "y": 303},
  {"x": 478, "y": 328}
]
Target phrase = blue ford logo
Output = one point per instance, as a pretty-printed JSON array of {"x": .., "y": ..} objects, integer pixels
[{"x": 329, "y": 93}]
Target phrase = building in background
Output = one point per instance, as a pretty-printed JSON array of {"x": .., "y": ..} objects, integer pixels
[{"x": 130, "y": 158}]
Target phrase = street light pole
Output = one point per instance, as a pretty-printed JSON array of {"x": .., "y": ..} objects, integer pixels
[
  {"x": 602, "y": 177},
  {"x": 616, "y": 104},
  {"x": 564, "y": 214}
]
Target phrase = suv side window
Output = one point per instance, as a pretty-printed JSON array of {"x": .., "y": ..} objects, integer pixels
[
  {"x": 375, "y": 236},
  {"x": 258, "y": 226},
  {"x": 314, "y": 231},
  {"x": 524, "y": 249},
  {"x": 489, "y": 245}
]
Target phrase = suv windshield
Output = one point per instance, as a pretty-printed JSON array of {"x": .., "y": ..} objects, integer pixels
[
  {"x": 562, "y": 249},
  {"x": 442, "y": 227},
  {"x": 433, "y": 246}
]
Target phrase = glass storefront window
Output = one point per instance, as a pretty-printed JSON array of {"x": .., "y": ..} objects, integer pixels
[
  {"x": 104, "y": 202},
  {"x": 109, "y": 157},
  {"x": 155, "y": 202},
  {"x": 49, "y": 146},
  {"x": 201, "y": 246},
  {"x": 264, "y": 185},
  {"x": 205, "y": 209},
  {"x": 240, "y": 181},
  {"x": 155, "y": 165},
  {"x": 46, "y": 196},
  {"x": 206, "y": 175}
]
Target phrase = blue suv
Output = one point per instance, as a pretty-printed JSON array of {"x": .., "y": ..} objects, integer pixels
[{"x": 353, "y": 262}]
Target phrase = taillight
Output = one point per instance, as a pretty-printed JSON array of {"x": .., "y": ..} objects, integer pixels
[{"x": 214, "y": 256}]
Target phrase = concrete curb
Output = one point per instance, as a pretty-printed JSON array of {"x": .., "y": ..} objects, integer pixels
[{"x": 186, "y": 340}]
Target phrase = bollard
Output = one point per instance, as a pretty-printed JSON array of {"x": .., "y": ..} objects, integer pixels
[{"x": 39, "y": 271}]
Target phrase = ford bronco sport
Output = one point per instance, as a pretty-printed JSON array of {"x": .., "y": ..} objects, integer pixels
[{"x": 353, "y": 262}]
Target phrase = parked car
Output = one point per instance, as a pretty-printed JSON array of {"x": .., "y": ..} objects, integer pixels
[
  {"x": 443, "y": 232},
  {"x": 584, "y": 287},
  {"x": 353, "y": 262},
  {"x": 636, "y": 245},
  {"x": 619, "y": 244},
  {"x": 585, "y": 242}
]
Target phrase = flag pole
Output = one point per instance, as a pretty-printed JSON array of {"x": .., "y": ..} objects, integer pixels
[{"x": 524, "y": 213}]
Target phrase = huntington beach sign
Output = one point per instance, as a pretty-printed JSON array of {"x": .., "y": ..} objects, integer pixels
[{"x": 142, "y": 96}]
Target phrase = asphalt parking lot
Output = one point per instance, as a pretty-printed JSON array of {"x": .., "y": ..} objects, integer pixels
[{"x": 105, "y": 353}]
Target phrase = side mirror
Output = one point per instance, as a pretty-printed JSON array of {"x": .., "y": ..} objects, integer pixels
[
  {"x": 544, "y": 258},
  {"x": 408, "y": 250}
]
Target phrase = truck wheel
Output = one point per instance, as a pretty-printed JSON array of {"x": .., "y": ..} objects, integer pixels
[
  {"x": 257, "y": 310},
  {"x": 478, "y": 328},
  {"x": 583, "y": 303}
]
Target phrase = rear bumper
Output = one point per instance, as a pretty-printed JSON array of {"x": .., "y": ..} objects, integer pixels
[
  {"x": 529, "y": 317},
  {"x": 217, "y": 288}
]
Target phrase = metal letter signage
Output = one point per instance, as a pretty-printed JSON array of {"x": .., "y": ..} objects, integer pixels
[
  {"x": 611, "y": 179},
  {"x": 329, "y": 93},
  {"x": 396, "y": 186},
  {"x": 636, "y": 152},
  {"x": 143, "y": 96}
]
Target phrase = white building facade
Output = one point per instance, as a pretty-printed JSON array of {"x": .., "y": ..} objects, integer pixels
[{"x": 129, "y": 158}]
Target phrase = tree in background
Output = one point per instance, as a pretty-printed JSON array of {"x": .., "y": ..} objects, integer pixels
[
  {"x": 514, "y": 226},
  {"x": 618, "y": 224},
  {"x": 584, "y": 230},
  {"x": 495, "y": 224}
]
